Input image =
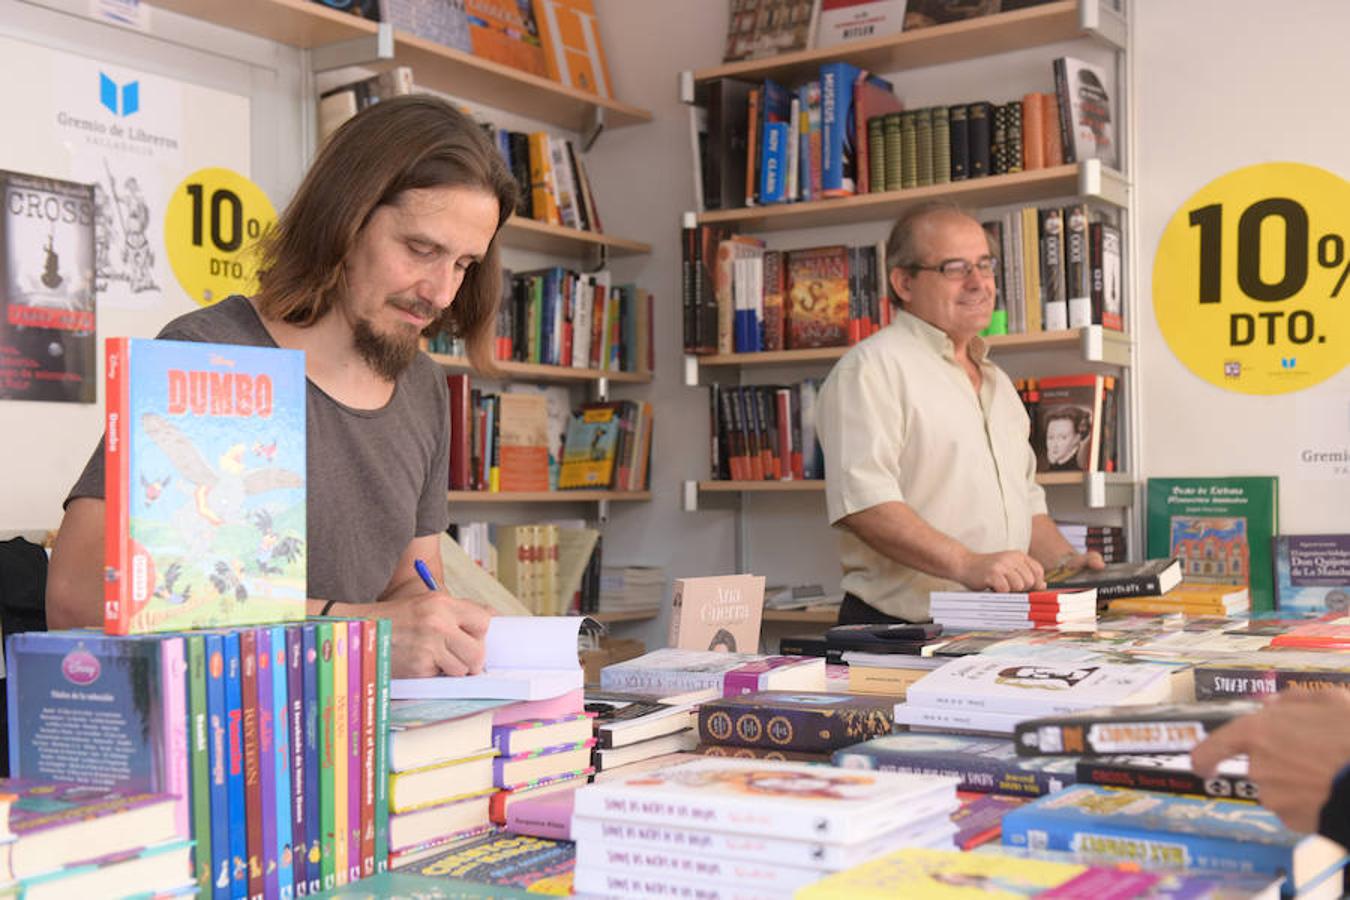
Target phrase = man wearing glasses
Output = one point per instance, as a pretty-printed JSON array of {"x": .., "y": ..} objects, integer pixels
[{"x": 929, "y": 471}]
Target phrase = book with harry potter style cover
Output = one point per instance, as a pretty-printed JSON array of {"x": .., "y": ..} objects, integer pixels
[
  {"x": 808, "y": 722},
  {"x": 205, "y": 461}
]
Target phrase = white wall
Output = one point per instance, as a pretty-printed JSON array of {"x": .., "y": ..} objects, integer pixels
[{"x": 1219, "y": 85}]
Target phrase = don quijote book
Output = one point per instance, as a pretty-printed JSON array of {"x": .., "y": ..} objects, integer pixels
[
  {"x": 205, "y": 459},
  {"x": 47, "y": 342}
]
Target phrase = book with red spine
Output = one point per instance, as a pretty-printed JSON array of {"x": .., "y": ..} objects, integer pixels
[
  {"x": 253, "y": 801},
  {"x": 460, "y": 432}
]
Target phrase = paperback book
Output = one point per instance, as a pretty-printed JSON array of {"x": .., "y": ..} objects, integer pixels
[
  {"x": 1312, "y": 572},
  {"x": 670, "y": 671},
  {"x": 1171, "y": 774},
  {"x": 1166, "y": 729},
  {"x": 717, "y": 612},
  {"x": 983, "y": 764}
]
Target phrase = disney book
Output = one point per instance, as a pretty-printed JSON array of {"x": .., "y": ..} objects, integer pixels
[{"x": 205, "y": 460}]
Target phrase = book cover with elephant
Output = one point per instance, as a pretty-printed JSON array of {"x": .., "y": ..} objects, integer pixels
[{"x": 205, "y": 459}]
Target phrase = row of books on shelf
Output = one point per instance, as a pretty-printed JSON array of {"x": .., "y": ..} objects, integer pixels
[
  {"x": 847, "y": 133},
  {"x": 560, "y": 317},
  {"x": 551, "y": 176},
  {"x": 271, "y": 742},
  {"x": 1075, "y": 422},
  {"x": 557, "y": 39},
  {"x": 765, "y": 432},
  {"x": 513, "y": 441},
  {"x": 553, "y": 568}
]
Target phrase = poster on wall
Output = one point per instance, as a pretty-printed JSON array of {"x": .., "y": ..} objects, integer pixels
[
  {"x": 1251, "y": 280},
  {"x": 134, "y": 136},
  {"x": 47, "y": 336}
]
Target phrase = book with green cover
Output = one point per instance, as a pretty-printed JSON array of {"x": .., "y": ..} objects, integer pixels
[
  {"x": 327, "y": 754},
  {"x": 1220, "y": 529},
  {"x": 200, "y": 764}
]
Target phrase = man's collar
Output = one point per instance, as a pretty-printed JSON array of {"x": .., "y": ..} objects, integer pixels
[{"x": 938, "y": 339}]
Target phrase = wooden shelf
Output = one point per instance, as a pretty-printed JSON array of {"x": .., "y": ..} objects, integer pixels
[
  {"x": 301, "y": 23},
  {"x": 1086, "y": 179},
  {"x": 546, "y": 496},
  {"x": 527, "y": 234},
  {"x": 639, "y": 615},
  {"x": 814, "y": 616},
  {"x": 519, "y": 371},
  {"x": 1018, "y": 30},
  {"x": 714, "y": 487}
]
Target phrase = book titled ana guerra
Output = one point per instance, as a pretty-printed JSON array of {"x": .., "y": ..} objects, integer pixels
[{"x": 719, "y": 612}]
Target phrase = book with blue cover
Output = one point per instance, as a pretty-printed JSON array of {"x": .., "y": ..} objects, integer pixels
[
  {"x": 1172, "y": 830},
  {"x": 217, "y": 727},
  {"x": 1312, "y": 572},
  {"x": 205, "y": 461}
]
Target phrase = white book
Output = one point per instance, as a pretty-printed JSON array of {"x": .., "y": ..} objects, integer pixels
[
  {"x": 671, "y": 671},
  {"x": 640, "y": 886},
  {"x": 931, "y": 824},
  {"x": 665, "y": 862},
  {"x": 564, "y": 182},
  {"x": 582, "y": 318},
  {"x": 794, "y": 152},
  {"x": 769, "y": 798},
  {"x": 1034, "y": 687},
  {"x": 842, "y": 21},
  {"x": 916, "y": 715},
  {"x": 528, "y": 658}
]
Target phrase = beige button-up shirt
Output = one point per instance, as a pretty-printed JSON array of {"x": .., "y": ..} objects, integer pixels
[{"x": 899, "y": 420}]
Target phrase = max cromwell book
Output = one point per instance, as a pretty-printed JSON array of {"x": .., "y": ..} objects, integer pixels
[
  {"x": 205, "y": 460},
  {"x": 47, "y": 343}
]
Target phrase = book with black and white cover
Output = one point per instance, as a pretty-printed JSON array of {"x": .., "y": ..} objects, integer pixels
[
  {"x": 607, "y": 759},
  {"x": 1086, "y": 112},
  {"x": 790, "y": 800},
  {"x": 1029, "y": 687},
  {"x": 955, "y": 719},
  {"x": 984, "y": 764},
  {"x": 1163, "y": 728},
  {"x": 1168, "y": 773},
  {"x": 623, "y": 719},
  {"x": 1152, "y": 577}
]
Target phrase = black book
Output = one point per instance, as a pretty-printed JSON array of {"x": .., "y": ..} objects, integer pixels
[
  {"x": 728, "y": 143},
  {"x": 980, "y": 124},
  {"x": 882, "y": 638},
  {"x": 1150, "y": 578},
  {"x": 1132, "y": 730},
  {"x": 960, "y": 137},
  {"x": 1171, "y": 774},
  {"x": 520, "y": 170}
]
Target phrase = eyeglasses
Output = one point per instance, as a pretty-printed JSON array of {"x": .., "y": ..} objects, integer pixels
[{"x": 960, "y": 269}]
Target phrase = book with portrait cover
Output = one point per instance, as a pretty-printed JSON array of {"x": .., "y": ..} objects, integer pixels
[
  {"x": 205, "y": 461},
  {"x": 818, "y": 297},
  {"x": 1312, "y": 572},
  {"x": 717, "y": 612},
  {"x": 47, "y": 249},
  {"x": 1068, "y": 433},
  {"x": 807, "y": 721},
  {"x": 1220, "y": 528}
]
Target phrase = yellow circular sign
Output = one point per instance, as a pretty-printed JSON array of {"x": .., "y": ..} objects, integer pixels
[
  {"x": 211, "y": 229},
  {"x": 1251, "y": 283}
]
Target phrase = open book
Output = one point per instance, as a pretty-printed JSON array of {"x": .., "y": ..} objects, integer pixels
[{"x": 528, "y": 658}]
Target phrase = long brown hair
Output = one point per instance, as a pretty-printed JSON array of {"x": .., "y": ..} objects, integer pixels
[{"x": 396, "y": 145}]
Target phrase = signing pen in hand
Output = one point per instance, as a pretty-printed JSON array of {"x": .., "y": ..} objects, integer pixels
[{"x": 425, "y": 573}]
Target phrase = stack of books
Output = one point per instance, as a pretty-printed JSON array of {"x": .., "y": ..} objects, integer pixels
[
  {"x": 631, "y": 728},
  {"x": 1192, "y": 598},
  {"x": 735, "y": 827},
  {"x": 990, "y": 611},
  {"x": 537, "y": 753},
  {"x": 61, "y": 839},
  {"x": 631, "y": 589},
  {"x": 671, "y": 671},
  {"x": 269, "y": 737}
]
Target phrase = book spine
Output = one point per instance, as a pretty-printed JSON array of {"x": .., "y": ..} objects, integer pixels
[
  {"x": 979, "y": 141},
  {"x": 199, "y": 740},
  {"x": 253, "y": 803},
  {"x": 217, "y": 726},
  {"x": 327, "y": 727},
  {"x": 836, "y": 105},
  {"x": 267, "y": 772},
  {"x": 1106, "y": 773},
  {"x": 369, "y": 727},
  {"x": 312, "y": 846},
  {"x": 341, "y": 754},
  {"x": 236, "y": 788},
  {"x": 384, "y": 646},
  {"x": 1055, "y": 304},
  {"x": 281, "y": 763},
  {"x": 355, "y": 737},
  {"x": 1216, "y": 682},
  {"x": 960, "y": 141},
  {"x": 173, "y": 728},
  {"x": 1064, "y": 111},
  {"x": 1077, "y": 272},
  {"x": 295, "y": 711},
  {"x": 117, "y": 595}
]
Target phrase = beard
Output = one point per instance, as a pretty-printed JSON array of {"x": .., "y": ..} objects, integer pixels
[{"x": 390, "y": 353}]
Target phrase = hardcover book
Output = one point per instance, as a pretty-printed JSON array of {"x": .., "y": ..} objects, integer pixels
[
  {"x": 205, "y": 460},
  {"x": 983, "y": 764},
  {"x": 717, "y": 612},
  {"x": 757, "y": 28},
  {"x": 1220, "y": 528},
  {"x": 805, "y": 722},
  {"x": 1312, "y": 572},
  {"x": 1086, "y": 117},
  {"x": 1150, "y": 578},
  {"x": 47, "y": 249},
  {"x": 1190, "y": 832},
  {"x": 818, "y": 297},
  {"x": 770, "y": 799},
  {"x": 1166, "y": 728},
  {"x": 427, "y": 732},
  {"x": 842, "y": 21}
]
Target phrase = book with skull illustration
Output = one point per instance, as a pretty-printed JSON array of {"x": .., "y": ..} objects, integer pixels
[{"x": 205, "y": 455}]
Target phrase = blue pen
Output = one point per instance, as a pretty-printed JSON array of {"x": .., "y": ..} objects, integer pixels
[{"x": 423, "y": 571}]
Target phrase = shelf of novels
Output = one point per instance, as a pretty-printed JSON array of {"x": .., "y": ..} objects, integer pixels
[
  {"x": 1088, "y": 179},
  {"x": 741, "y": 487},
  {"x": 521, "y": 371},
  {"x": 521, "y": 233},
  {"x": 1091, "y": 343},
  {"x": 579, "y": 496},
  {"x": 1063, "y": 20},
  {"x": 339, "y": 38}
]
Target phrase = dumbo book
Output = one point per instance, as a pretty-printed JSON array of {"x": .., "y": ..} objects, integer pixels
[{"x": 205, "y": 460}]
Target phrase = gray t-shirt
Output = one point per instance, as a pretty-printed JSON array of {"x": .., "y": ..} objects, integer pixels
[{"x": 377, "y": 478}]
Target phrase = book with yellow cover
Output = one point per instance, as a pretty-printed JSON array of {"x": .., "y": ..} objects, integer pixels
[
  {"x": 590, "y": 447},
  {"x": 818, "y": 297}
]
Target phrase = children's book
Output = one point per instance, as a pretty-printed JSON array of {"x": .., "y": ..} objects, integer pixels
[
  {"x": 1220, "y": 528},
  {"x": 671, "y": 670},
  {"x": 1312, "y": 572},
  {"x": 590, "y": 447},
  {"x": 534, "y": 864},
  {"x": 768, "y": 798},
  {"x": 205, "y": 458},
  {"x": 717, "y": 612},
  {"x": 1174, "y": 830}
]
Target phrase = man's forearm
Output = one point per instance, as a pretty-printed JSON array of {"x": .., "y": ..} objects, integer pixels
[
  {"x": 900, "y": 534},
  {"x": 1048, "y": 546}
]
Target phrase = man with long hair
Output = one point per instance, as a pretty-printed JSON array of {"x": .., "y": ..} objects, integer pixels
[{"x": 391, "y": 236}]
